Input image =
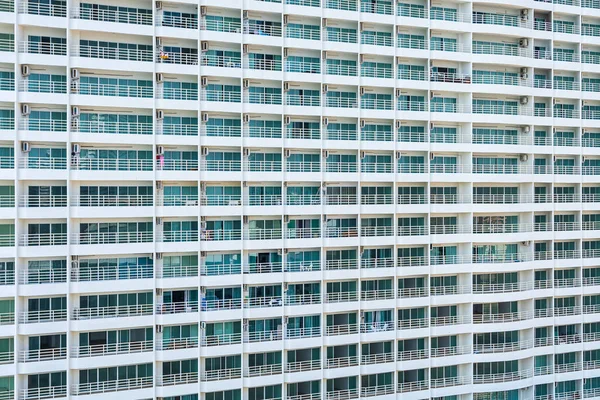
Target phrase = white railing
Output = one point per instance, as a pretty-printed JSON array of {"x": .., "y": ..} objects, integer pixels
[
  {"x": 42, "y": 355},
  {"x": 99, "y": 350},
  {"x": 177, "y": 379},
  {"x": 49, "y": 392},
  {"x": 111, "y": 386},
  {"x": 135, "y": 310},
  {"x": 36, "y": 317},
  {"x": 119, "y": 15},
  {"x": 221, "y": 374}
]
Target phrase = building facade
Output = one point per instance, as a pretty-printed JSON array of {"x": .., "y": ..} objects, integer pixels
[{"x": 300, "y": 199}]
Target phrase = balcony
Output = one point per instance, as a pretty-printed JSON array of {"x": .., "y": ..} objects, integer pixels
[
  {"x": 42, "y": 163},
  {"x": 262, "y": 336},
  {"x": 177, "y": 308},
  {"x": 409, "y": 355},
  {"x": 341, "y": 362},
  {"x": 502, "y": 377},
  {"x": 263, "y": 370},
  {"x": 42, "y": 355},
  {"x": 99, "y": 274},
  {"x": 81, "y": 314},
  {"x": 179, "y": 343},
  {"x": 83, "y": 389},
  {"x": 39, "y": 201},
  {"x": 343, "y": 394},
  {"x": 43, "y": 48},
  {"x": 120, "y": 15},
  {"x": 342, "y": 329},
  {"x": 502, "y": 317},
  {"x": 221, "y": 374},
  {"x": 112, "y": 53},
  {"x": 43, "y": 239},
  {"x": 506, "y": 347},
  {"x": 100, "y": 350},
  {"x": 407, "y": 387},
  {"x": 303, "y": 366},
  {"x": 183, "y": 378},
  {"x": 93, "y": 238},
  {"x": 220, "y": 340},
  {"x": 49, "y": 392}
]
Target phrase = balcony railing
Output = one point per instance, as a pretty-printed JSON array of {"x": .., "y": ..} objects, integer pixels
[
  {"x": 49, "y": 392},
  {"x": 135, "y": 310},
  {"x": 100, "y": 350},
  {"x": 36, "y": 317},
  {"x": 120, "y": 15},
  {"x": 111, "y": 386}
]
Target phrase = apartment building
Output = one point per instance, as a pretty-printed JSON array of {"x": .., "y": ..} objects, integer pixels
[{"x": 300, "y": 199}]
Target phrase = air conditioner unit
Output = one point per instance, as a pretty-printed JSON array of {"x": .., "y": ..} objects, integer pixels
[
  {"x": 398, "y": 124},
  {"x": 285, "y": 52},
  {"x": 361, "y": 58},
  {"x": 159, "y": 256},
  {"x": 75, "y": 124},
  {"x": 398, "y": 155},
  {"x": 362, "y": 123},
  {"x": 159, "y": 221},
  {"x": 74, "y": 265},
  {"x": 159, "y": 292},
  {"x": 202, "y": 325},
  {"x": 245, "y": 219},
  {"x": 362, "y": 154},
  {"x": 159, "y": 185},
  {"x": 325, "y": 88},
  {"x": 523, "y": 157},
  {"x": 245, "y": 14},
  {"x": 245, "y": 49},
  {"x": 246, "y": 83},
  {"x": 324, "y": 55},
  {"x": 25, "y": 109},
  {"x": 159, "y": 77},
  {"x": 431, "y": 156},
  {"x": 204, "y": 117},
  {"x": 204, "y": 81},
  {"x": 203, "y": 11},
  {"x": 246, "y": 152},
  {"x": 160, "y": 150},
  {"x": 526, "y": 243},
  {"x": 205, "y": 151},
  {"x": 203, "y": 254},
  {"x": 160, "y": 114},
  {"x": 74, "y": 111},
  {"x": 246, "y": 118},
  {"x": 398, "y": 92},
  {"x": 524, "y": 13},
  {"x": 362, "y": 91},
  {"x": 325, "y": 153},
  {"x": 526, "y": 129},
  {"x": 74, "y": 73},
  {"x": 159, "y": 328},
  {"x": 324, "y": 22},
  {"x": 204, "y": 45},
  {"x": 523, "y": 42},
  {"x": 285, "y": 19},
  {"x": 286, "y": 86},
  {"x": 159, "y": 42},
  {"x": 76, "y": 148},
  {"x": 25, "y": 147},
  {"x": 287, "y": 153},
  {"x": 325, "y": 121},
  {"x": 287, "y": 120},
  {"x": 25, "y": 70},
  {"x": 524, "y": 100}
]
